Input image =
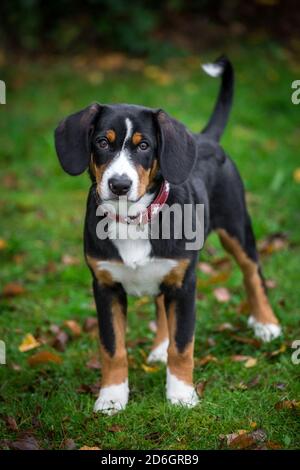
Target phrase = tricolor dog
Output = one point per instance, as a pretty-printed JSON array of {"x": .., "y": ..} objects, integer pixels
[{"x": 150, "y": 159}]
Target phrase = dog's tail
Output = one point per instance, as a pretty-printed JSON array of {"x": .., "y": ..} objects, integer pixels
[{"x": 216, "y": 125}]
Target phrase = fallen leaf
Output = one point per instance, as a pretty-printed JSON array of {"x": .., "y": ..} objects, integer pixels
[
  {"x": 271, "y": 284},
  {"x": 89, "y": 448},
  {"x": 29, "y": 342},
  {"x": 3, "y": 244},
  {"x": 274, "y": 242},
  {"x": 242, "y": 441},
  {"x": 242, "y": 339},
  {"x": 222, "y": 294},
  {"x": 243, "y": 308},
  {"x": 115, "y": 428},
  {"x": 206, "y": 268},
  {"x": 11, "y": 423},
  {"x": 205, "y": 360},
  {"x": 142, "y": 301},
  {"x": 44, "y": 357},
  {"x": 90, "y": 323},
  {"x": 27, "y": 442},
  {"x": 287, "y": 405},
  {"x": 280, "y": 386},
  {"x": 94, "y": 363},
  {"x": 239, "y": 358},
  {"x": 13, "y": 289},
  {"x": 93, "y": 389},
  {"x": 68, "y": 444},
  {"x": 16, "y": 367},
  {"x": 69, "y": 260},
  {"x": 251, "y": 362},
  {"x": 215, "y": 279},
  {"x": 211, "y": 342},
  {"x": 296, "y": 175},
  {"x": 225, "y": 327},
  {"x": 60, "y": 341},
  {"x": 275, "y": 353},
  {"x": 152, "y": 326},
  {"x": 223, "y": 263},
  {"x": 150, "y": 369},
  {"x": 253, "y": 424},
  {"x": 273, "y": 445},
  {"x": 230, "y": 437},
  {"x": 74, "y": 327},
  {"x": 200, "y": 388}
]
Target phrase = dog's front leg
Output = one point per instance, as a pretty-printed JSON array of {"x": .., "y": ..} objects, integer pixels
[
  {"x": 180, "y": 308},
  {"x": 111, "y": 303}
]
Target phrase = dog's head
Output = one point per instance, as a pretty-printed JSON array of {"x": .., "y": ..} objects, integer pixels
[{"x": 127, "y": 148}]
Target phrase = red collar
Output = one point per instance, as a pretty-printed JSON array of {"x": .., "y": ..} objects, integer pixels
[{"x": 146, "y": 215}]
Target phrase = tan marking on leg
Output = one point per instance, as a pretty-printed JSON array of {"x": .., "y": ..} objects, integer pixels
[
  {"x": 104, "y": 277},
  {"x": 176, "y": 275},
  {"x": 115, "y": 368},
  {"x": 180, "y": 364},
  {"x": 111, "y": 135},
  {"x": 162, "y": 332},
  {"x": 258, "y": 301},
  {"x": 137, "y": 138}
]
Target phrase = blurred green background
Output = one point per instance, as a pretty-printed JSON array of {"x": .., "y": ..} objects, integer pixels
[{"x": 56, "y": 58}]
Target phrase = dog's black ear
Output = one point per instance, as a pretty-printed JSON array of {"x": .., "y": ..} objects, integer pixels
[
  {"x": 177, "y": 149},
  {"x": 73, "y": 139}
]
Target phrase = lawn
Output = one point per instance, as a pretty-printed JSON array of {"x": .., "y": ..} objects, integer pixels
[{"x": 44, "y": 281}]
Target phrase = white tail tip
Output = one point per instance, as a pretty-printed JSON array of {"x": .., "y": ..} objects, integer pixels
[{"x": 214, "y": 70}]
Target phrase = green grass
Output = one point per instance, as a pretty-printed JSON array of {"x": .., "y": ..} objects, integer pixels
[{"x": 42, "y": 212}]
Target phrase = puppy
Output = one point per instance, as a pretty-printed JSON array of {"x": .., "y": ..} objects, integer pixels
[{"x": 150, "y": 161}]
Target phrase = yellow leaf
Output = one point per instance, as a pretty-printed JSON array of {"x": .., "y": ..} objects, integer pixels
[
  {"x": 29, "y": 342},
  {"x": 296, "y": 175},
  {"x": 3, "y": 244},
  {"x": 150, "y": 369},
  {"x": 251, "y": 362}
]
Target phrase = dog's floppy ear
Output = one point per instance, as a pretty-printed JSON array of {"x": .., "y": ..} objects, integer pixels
[
  {"x": 72, "y": 139},
  {"x": 177, "y": 149}
]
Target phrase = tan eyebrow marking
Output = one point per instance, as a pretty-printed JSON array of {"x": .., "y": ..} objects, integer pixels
[
  {"x": 111, "y": 135},
  {"x": 136, "y": 138}
]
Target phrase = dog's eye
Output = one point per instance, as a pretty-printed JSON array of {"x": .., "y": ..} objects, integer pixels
[
  {"x": 143, "y": 146},
  {"x": 103, "y": 143}
]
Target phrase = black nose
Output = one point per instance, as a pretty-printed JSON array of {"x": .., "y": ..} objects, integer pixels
[{"x": 119, "y": 185}]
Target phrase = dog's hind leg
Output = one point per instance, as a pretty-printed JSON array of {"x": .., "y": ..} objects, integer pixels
[
  {"x": 159, "y": 351},
  {"x": 262, "y": 319},
  {"x": 232, "y": 222}
]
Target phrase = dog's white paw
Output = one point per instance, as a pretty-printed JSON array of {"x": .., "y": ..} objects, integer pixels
[
  {"x": 160, "y": 353},
  {"x": 264, "y": 331},
  {"x": 180, "y": 393},
  {"x": 112, "y": 399}
]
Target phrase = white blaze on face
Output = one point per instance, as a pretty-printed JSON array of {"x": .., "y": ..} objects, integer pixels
[{"x": 121, "y": 165}]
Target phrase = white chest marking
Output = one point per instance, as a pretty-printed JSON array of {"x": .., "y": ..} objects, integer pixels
[{"x": 139, "y": 275}]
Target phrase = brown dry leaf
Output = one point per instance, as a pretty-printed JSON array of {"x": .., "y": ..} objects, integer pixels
[
  {"x": 3, "y": 244},
  {"x": 222, "y": 294},
  {"x": 242, "y": 441},
  {"x": 251, "y": 362},
  {"x": 254, "y": 381},
  {"x": 11, "y": 423},
  {"x": 44, "y": 357},
  {"x": 94, "y": 363},
  {"x": 93, "y": 389},
  {"x": 200, "y": 388},
  {"x": 206, "y": 268},
  {"x": 271, "y": 284},
  {"x": 90, "y": 323},
  {"x": 68, "y": 444},
  {"x": 205, "y": 360},
  {"x": 60, "y": 341},
  {"x": 115, "y": 428},
  {"x": 230, "y": 437},
  {"x": 13, "y": 289},
  {"x": 287, "y": 405},
  {"x": 16, "y": 367},
  {"x": 225, "y": 327},
  {"x": 150, "y": 369},
  {"x": 223, "y": 263},
  {"x": 74, "y": 327},
  {"x": 29, "y": 342},
  {"x": 27, "y": 442},
  {"x": 89, "y": 448},
  {"x": 244, "y": 340},
  {"x": 239, "y": 358},
  {"x": 273, "y": 445},
  {"x": 215, "y": 279},
  {"x": 69, "y": 260},
  {"x": 274, "y": 242},
  {"x": 281, "y": 350}
]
